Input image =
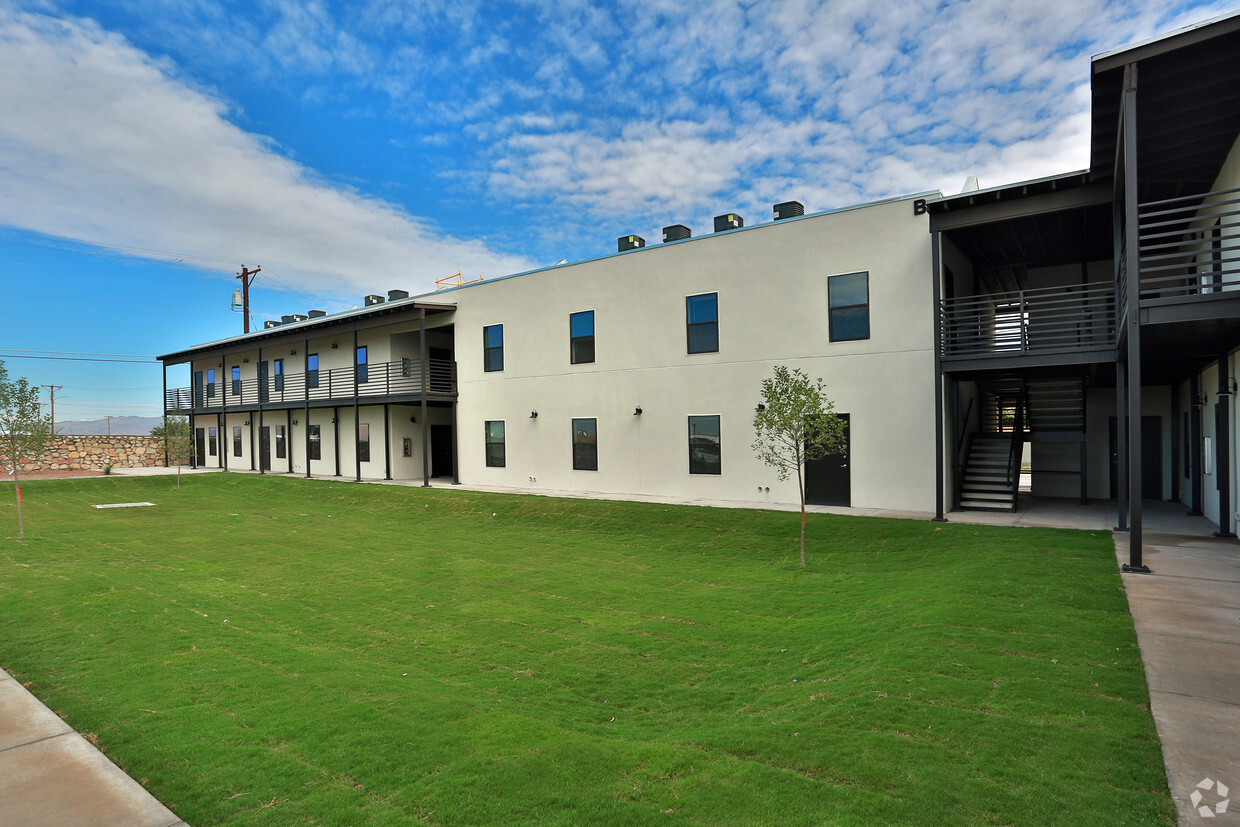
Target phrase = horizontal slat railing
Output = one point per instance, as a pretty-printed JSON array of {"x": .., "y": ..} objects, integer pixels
[
  {"x": 1190, "y": 246},
  {"x": 375, "y": 380},
  {"x": 1029, "y": 321}
]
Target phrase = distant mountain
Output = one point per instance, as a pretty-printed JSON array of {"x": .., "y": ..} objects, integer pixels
[{"x": 121, "y": 425}]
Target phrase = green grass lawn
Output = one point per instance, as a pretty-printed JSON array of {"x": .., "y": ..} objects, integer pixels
[{"x": 278, "y": 651}]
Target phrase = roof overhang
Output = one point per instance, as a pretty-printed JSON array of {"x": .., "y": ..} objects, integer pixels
[{"x": 357, "y": 319}]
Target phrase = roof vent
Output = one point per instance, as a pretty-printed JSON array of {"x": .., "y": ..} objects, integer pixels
[
  {"x": 789, "y": 209},
  {"x": 299, "y": 317},
  {"x": 393, "y": 295},
  {"x": 731, "y": 221},
  {"x": 270, "y": 323},
  {"x": 286, "y": 320},
  {"x": 372, "y": 300},
  {"x": 317, "y": 314},
  {"x": 676, "y": 232},
  {"x": 630, "y": 242}
]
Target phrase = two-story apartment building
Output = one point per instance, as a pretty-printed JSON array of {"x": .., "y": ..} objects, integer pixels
[{"x": 1091, "y": 316}]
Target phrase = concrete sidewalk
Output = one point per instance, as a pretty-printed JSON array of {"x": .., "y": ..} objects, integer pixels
[
  {"x": 50, "y": 775},
  {"x": 1187, "y": 617}
]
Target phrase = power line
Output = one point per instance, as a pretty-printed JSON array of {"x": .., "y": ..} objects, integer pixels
[
  {"x": 147, "y": 360},
  {"x": 31, "y": 239},
  {"x": 81, "y": 353},
  {"x": 103, "y": 301}
]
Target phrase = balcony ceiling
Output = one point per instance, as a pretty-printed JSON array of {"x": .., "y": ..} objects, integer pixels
[{"x": 1188, "y": 108}]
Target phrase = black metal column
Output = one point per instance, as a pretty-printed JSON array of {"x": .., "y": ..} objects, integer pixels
[
  {"x": 261, "y": 382},
  {"x": 1121, "y": 448},
  {"x": 1194, "y": 447},
  {"x": 1177, "y": 446},
  {"x": 163, "y": 369},
  {"x": 357, "y": 418},
  {"x": 387, "y": 443},
  {"x": 936, "y": 276},
  {"x": 305, "y": 382},
  {"x": 336, "y": 438},
  {"x": 1132, "y": 256},
  {"x": 426, "y": 457},
  {"x": 1222, "y": 442}
]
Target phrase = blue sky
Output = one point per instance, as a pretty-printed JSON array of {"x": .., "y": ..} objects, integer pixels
[{"x": 150, "y": 149}]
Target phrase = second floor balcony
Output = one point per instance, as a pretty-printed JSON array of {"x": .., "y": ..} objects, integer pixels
[{"x": 402, "y": 380}]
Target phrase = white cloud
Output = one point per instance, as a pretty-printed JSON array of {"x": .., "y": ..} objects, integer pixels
[{"x": 100, "y": 141}]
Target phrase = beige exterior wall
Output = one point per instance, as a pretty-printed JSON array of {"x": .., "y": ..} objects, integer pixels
[{"x": 771, "y": 282}]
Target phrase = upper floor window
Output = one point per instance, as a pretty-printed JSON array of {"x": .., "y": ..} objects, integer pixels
[
  {"x": 277, "y": 367},
  {"x": 363, "y": 366},
  {"x": 704, "y": 445},
  {"x": 581, "y": 337},
  {"x": 702, "y": 316},
  {"x": 493, "y": 347},
  {"x": 848, "y": 307},
  {"x": 236, "y": 381},
  {"x": 312, "y": 370},
  {"x": 211, "y": 385},
  {"x": 585, "y": 444},
  {"x": 495, "y": 443}
]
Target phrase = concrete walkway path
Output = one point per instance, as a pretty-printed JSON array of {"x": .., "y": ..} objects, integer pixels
[
  {"x": 1187, "y": 616},
  {"x": 50, "y": 775}
]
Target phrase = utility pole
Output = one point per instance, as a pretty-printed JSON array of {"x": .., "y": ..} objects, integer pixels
[
  {"x": 109, "y": 424},
  {"x": 247, "y": 278},
  {"x": 52, "y": 391}
]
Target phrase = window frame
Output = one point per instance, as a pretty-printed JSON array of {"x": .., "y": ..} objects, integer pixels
[
  {"x": 236, "y": 380},
  {"x": 495, "y": 459},
  {"x": 210, "y": 383},
  {"x": 490, "y": 350},
  {"x": 277, "y": 368},
  {"x": 691, "y": 325},
  {"x": 363, "y": 442},
  {"x": 312, "y": 373},
  {"x": 361, "y": 363},
  {"x": 585, "y": 460},
  {"x": 281, "y": 445},
  {"x": 236, "y": 441},
  {"x": 718, "y": 435},
  {"x": 833, "y": 309},
  {"x": 212, "y": 441},
  {"x": 576, "y": 342},
  {"x": 314, "y": 436}
]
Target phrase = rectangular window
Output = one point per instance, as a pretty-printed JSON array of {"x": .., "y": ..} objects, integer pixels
[
  {"x": 495, "y": 443},
  {"x": 702, "y": 316},
  {"x": 280, "y": 449},
  {"x": 848, "y": 302},
  {"x": 493, "y": 347},
  {"x": 236, "y": 381},
  {"x": 363, "y": 442},
  {"x": 704, "y": 445},
  {"x": 211, "y": 383},
  {"x": 212, "y": 443},
  {"x": 278, "y": 367},
  {"x": 316, "y": 442},
  {"x": 363, "y": 367},
  {"x": 585, "y": 444},
  {"x": 581, "y": 337},
  {"x": 312, "y": 370},
  {"x": 236, "y": 440}
]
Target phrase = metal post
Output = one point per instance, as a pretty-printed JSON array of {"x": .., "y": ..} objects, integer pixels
[
  {"x": 1121, "y": 447},
  {"x": 426, "y": 460},
  {"x": 357, "y": 419},
  {"x": 387, "y": 443},
  {"x": 936, "y": 267},
  {"x": 305, "y": 386},
  {"x": 1222, "y": 442},
  {"x": 261, "y": 382},
  {"x": 1194, "y": 447}
]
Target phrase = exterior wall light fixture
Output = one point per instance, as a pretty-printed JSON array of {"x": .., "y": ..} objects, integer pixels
[
  {"x": 533, "y": 414},
  {"x": 333, "y": 345},
  {"x": 294, "y": 421},
  {"x": 761, "y": 407},
  {"x": 413, "y": 419},
  {"x": 637, "y": 411}
]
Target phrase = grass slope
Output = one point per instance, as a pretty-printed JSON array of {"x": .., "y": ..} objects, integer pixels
[{"x": 277, "y": 651}]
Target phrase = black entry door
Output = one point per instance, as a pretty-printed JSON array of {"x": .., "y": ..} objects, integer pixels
[
  {"x": 441, "y": 450},
  {"x": 200, "y": 446},
  {"x": 827, "y": 480},
  {"x": 264, "y": 447},
  {"x": 1151, "y": 458}
]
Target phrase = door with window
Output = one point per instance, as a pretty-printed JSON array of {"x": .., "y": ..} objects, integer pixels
[{"x": 828, "y": 480}]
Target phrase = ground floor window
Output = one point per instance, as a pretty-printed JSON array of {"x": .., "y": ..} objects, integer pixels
[
  {"x": 363, "y": 442},
  {"x": 704, "y": 445},
  {"x": 280, "y": 449},
  {"x": 585, "y": 444},
  {"x": 495, "y": 443},
  {"x": 236, "y": 440},
  {"x": 315, "y": 451},
  {"x": 211, "y": 444}
]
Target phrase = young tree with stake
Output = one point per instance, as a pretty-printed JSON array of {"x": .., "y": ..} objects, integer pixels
[
  {"x": 174, "y": 431},
  {"x": 24, "y": 433},
  {"x": 796, "y": 422}
]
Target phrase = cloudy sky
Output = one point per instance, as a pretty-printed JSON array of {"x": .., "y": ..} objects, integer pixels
[{"x": 150, "y": 148}]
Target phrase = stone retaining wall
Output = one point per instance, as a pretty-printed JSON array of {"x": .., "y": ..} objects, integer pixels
[{"x": 94, "y": 453}]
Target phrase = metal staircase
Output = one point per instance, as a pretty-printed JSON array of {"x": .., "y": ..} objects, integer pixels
[{"x": 991, "y": 473}]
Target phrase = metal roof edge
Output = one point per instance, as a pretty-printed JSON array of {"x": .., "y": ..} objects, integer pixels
[{"x": 1109, "y": 57}]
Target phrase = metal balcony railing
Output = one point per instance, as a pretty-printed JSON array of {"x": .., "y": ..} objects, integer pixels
[
  {"x": 374, "y": 380},
  {"x": 1190, "y": 246},
  {"x": 1045, "y": 320}
]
